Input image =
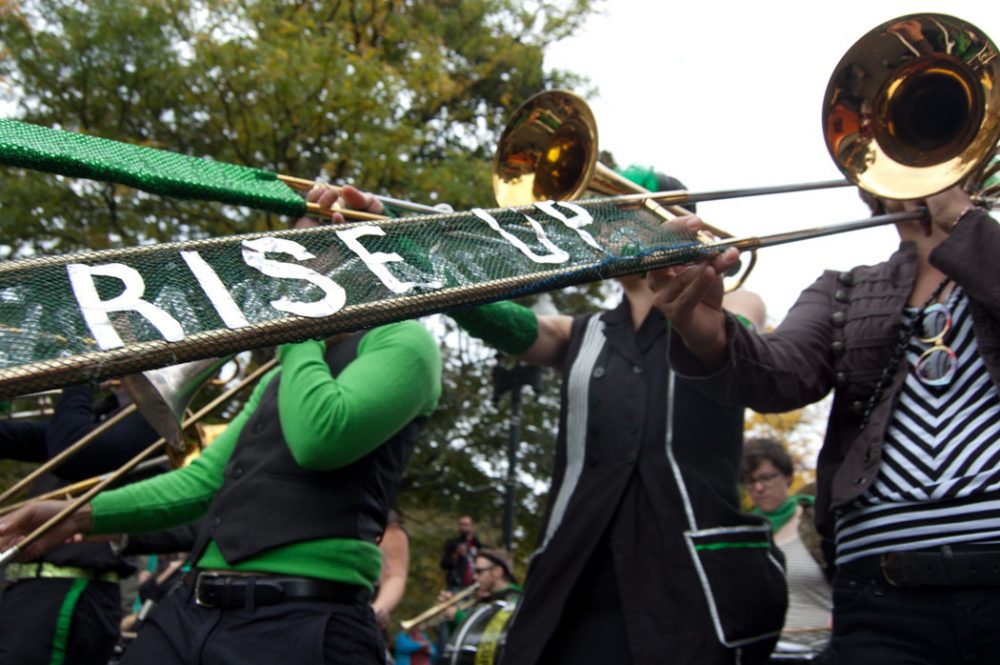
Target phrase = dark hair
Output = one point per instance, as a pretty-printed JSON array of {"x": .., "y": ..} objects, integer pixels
[
  {"x": 668, "y": 183},
  {"x": 764, "y": 449}
]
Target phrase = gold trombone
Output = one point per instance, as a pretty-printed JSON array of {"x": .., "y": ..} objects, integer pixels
[
  {"x": 464, "y": 598},
  {"x": 912, "y": 109}
]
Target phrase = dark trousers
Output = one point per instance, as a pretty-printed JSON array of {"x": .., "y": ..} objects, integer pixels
[
  {"x": 179, "y": 632},
  {"x": 56, "y": 621},
  {"x": 876, "y": 623}
]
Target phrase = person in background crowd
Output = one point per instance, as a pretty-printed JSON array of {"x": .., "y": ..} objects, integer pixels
[
  {"x": 495, "y": 577},
  {"x": 460, "y": 554},
  {"x": 767, "y": 473},
  {"x": 414, "y": 647}
]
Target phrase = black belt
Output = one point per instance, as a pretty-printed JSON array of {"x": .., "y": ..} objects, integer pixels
[
  {"x": 222, "y": 591},
  {"x": 947, "y": 566}
]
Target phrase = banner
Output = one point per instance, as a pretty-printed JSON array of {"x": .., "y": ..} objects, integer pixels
[{"x": 98, "y": 315}]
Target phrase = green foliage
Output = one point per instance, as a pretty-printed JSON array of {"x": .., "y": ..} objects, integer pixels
[{"x": 404, "y": 98}]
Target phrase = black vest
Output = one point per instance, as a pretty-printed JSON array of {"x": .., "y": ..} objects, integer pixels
[{"x": 267, "y": 500}]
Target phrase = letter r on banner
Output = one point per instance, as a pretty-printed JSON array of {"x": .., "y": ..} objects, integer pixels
[{"x": 95, "y": 311}]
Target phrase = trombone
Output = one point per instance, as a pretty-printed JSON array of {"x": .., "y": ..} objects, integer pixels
[
  {"x": 7, "y": 555},
  {"x": 912, "y": 109},
  {"x": 161, "y": 396},
  {"x": 464, "y": 598}
]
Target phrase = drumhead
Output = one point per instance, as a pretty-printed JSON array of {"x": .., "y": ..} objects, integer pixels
[{"x": 481, "y": 637}]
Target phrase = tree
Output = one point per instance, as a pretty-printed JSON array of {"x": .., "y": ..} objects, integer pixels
[{"x": 401, "y": 97}]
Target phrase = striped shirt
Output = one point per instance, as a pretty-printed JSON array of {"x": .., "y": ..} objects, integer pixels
[{"x": 939, "y": 479}]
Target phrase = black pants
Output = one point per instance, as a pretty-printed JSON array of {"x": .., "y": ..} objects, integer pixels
[
  {"x": 876, "y": 623},
  {"x": 56, "y": 621},
  {"x": 291, "y": 632}
]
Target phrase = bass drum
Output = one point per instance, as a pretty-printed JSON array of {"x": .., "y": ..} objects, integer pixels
[{"x": 481, "y": 638}]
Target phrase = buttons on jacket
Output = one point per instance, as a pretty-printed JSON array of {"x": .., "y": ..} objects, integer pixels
[
  {"x": 846, "y": 278},
  {"x": 839, "y": 318},
  {"x": 857, "y": 406},
  {"x": 841, "y": 295},
  {"x": 837, "y": 347},
  {"x": 636, "y": 369},
  {"x": 598, "y": 372},
  {"x": 237, "y": 472},
  {"x": 840, "y": 380}
]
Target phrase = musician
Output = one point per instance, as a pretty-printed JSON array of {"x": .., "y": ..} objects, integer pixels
[
  {"x": 297, "y": 490},
  {"x": 460, "y": 554},
  {"x": 907, "y": 476},
  {"x": 494, "y": 573},
  {"x": 645, "y": 556},
  {"x": 66, "y": 606}
]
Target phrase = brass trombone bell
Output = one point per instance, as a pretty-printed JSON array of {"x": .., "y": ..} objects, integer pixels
[
  {"x": 162, "y": 397},
  {"x": 548, "y": 151},
  {"x": 913, "y": 106}
]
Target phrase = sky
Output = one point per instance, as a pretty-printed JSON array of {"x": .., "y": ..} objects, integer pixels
[{"x": 728, "y": 95}]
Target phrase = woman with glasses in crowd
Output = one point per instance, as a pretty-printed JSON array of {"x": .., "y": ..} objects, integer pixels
[
  {"x": 767, "y": 473},
  {"x": 909, "y": 474}
]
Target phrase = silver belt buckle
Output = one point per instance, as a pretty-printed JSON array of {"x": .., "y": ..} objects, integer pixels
[{"x": 197, "y": 587}]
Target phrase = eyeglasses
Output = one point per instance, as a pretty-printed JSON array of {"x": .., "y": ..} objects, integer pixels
[
  {"x": 765, "y": 479},
  {"x": 937, "y": 365},
  {"x": 480, "y": 571}
]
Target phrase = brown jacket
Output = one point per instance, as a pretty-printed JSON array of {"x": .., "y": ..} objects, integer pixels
[{"x": 839, "y": 336}]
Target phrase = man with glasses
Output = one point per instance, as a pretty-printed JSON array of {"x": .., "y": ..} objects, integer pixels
[
  {"x": 908, "y": 476},
  {"x": 495, "y": 576}
]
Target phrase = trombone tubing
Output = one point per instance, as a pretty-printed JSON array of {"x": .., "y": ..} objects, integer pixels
[
  {"x": 7, "y": 555},
  {"x": 68, "y": 452},
  {"x": 69, "y": 490},
  {"x": 303, "y": 185},
  {"x": 437, "y": 609}
]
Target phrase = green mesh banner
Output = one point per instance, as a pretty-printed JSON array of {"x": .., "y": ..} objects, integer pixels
[
  {"x": 155, "y": 171},
  {"x": 112, "y": 313}
]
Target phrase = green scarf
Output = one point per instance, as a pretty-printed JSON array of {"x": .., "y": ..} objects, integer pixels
[{"x": 779, "y": 518}]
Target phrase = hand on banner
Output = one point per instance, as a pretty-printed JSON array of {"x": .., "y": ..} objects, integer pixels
[{"x": 690, "y": 296}]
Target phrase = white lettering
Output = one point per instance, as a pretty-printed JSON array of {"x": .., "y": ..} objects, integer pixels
[
  {"x": 254, "y": 252},
  {"x": 95, "y": 311},
  {"x": 375, "y": 262},
  {"x": 577, "y": 222},
  {"x": 556, "y": 254},
  {"x": 216, "y": 291}
]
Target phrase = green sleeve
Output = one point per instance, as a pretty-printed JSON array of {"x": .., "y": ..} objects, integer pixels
[
  {"x": 177, "y": 497},
  {"x": 330, "y": 422},
  {"x": 504, "y": 325}
]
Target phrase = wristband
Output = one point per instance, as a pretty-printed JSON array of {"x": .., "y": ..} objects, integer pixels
[{"x": 504, "y": 325}]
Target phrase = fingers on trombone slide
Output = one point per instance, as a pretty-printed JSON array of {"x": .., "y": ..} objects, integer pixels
[{"x": 333, "y": 198}]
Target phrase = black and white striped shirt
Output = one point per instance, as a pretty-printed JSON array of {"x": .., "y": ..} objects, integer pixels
[{"x": 939, "y": 479}]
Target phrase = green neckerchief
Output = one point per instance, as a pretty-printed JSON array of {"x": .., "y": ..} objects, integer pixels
[{"x": 779, "y": 518}]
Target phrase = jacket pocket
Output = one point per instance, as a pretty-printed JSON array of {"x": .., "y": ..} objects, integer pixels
[{"x": 743, "y": 578}]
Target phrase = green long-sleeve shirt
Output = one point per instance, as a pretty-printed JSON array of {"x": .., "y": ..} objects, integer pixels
[{"x": 328, "y": 422}]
